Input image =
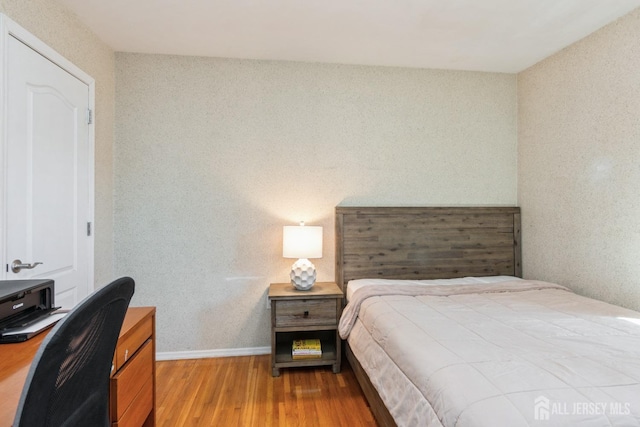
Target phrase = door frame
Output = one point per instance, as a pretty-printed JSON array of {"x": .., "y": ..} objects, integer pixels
[{"x": 9, "y": 28}]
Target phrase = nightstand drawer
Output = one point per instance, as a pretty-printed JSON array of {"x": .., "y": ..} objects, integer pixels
[{"x": 314, "y": 312}]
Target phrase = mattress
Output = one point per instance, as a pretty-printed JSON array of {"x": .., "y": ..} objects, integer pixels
[{"x": 498, "y": 351}]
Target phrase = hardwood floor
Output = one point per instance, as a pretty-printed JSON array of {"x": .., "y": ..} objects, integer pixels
[{"x": 240, "y": 391}]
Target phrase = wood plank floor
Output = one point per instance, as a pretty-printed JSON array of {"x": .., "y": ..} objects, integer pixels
[{"x": 240, "y": 391}]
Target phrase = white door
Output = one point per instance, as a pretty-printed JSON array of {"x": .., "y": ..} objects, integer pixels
[{"x": 48, "y": 188}]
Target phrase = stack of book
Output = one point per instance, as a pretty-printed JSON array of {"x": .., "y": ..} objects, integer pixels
[{"x": 306, "y": 349}]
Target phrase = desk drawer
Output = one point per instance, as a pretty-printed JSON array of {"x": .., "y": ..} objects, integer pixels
[
  {"x": 139, "y": 409},
  {"x": 128, "y": 346},
  {"x": 311, "y": 312},
  {"x": 128, "y": 384}
]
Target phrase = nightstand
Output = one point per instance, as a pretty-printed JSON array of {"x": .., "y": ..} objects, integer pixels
[{"x": 304, "y": 315}]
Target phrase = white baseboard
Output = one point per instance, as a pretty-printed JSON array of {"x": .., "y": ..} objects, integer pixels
[{"x": 203, "y": 354}]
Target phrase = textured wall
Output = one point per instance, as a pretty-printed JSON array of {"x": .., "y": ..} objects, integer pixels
[
  {"x": 578, "y": 165},
  {"x": 214, "y": 156},
  {"x": 62, "y": 31}
]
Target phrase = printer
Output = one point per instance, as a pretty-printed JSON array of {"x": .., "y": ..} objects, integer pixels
[{"x": 26, "y": 308}]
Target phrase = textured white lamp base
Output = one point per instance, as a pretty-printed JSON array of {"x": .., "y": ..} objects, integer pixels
[{"x": 303, "y": 274}]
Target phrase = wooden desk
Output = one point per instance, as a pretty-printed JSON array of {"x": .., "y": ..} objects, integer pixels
[{"x": 132, "y": 397}]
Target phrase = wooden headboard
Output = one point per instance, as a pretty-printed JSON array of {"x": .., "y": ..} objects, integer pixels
[{"x": 426, "y": 242}]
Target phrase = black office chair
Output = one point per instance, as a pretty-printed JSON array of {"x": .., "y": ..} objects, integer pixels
[{"x": 68, "y": 382}]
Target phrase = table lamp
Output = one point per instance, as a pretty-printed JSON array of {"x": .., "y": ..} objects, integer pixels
[{"x": 302, "y": 242}]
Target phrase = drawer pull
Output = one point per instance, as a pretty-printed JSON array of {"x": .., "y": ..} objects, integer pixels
[
  {"x": 126, "y": 355},
  {"x": 306, "y": 314}
]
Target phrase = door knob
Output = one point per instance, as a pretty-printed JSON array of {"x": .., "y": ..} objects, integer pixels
[{"x": 17, "y": 265}]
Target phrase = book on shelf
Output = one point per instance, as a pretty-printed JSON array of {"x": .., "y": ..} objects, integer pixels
[
  {"x": 308, "y": 344},
  {"x": 306, "y": 349}
]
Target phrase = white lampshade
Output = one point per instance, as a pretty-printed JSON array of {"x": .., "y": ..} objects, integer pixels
[{"x": 301, "y": 241}]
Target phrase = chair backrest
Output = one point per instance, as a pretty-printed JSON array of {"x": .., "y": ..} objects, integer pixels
[{"x": 68, "y": 382}]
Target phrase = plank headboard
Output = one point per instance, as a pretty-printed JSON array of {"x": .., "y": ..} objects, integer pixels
[{"x": 426, "y": 242}]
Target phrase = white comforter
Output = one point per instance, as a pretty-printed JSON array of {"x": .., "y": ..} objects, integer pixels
[{"x": 517, "y": 353}]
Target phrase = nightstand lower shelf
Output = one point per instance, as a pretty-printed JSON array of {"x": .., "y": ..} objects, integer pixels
[{"x": 284, "y": 341}]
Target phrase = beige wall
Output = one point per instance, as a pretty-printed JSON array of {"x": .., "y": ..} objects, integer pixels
[
  {"x": 579, "y": 165},
  {"x": 61, "y": 30},
  {"x": 214, "y": 156}
]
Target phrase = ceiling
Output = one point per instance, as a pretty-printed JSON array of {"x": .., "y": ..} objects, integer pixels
[{"x": 480, "y": 35}]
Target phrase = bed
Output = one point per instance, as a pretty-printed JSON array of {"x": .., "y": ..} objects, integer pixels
[{"x": 441, "y": 329}]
